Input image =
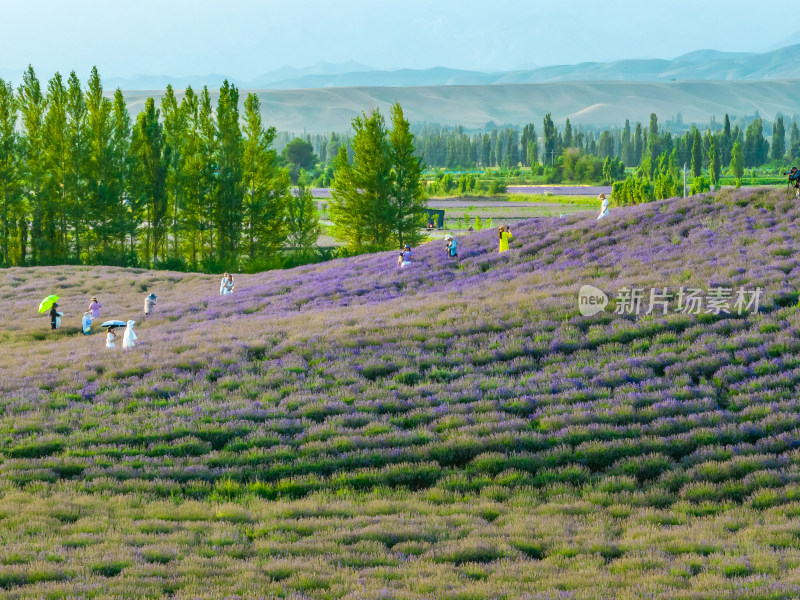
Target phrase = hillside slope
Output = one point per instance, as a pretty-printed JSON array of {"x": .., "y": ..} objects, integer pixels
[
  {"x": 594, "y": 103},
  {"x": 453, "y": 430}
]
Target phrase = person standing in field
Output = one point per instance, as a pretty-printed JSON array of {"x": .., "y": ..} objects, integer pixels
[
  {"x": 505, "y": 235},
  {"x": 405, "y": 256},
  {"x": 55, "y": 316},
  {"x": 226, "y": 285},
  {"x": 452, "y": 246},
  {"x": 86, "y": 322},
  {"x": 95, "y": 307},
  {"x": 604, "y": 207},
  {"x": 149, "y": 303},
  {"x": 129, "y": 337}
]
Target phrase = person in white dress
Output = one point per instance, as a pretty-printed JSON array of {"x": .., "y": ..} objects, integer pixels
[
  {"x": 111, "y": 338},
  {"x": 604, "y": 207}
]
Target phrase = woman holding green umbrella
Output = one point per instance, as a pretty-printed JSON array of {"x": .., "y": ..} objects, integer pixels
[
  {"x": 49, "y": 303},
  {"x": 55, "y": 316}
]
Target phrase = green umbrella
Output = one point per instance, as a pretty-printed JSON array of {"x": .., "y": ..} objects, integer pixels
[{"x": 47, "y": 303}]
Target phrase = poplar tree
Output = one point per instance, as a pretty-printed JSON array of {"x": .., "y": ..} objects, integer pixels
[
  {"x": 149, "y": 180},
  {"x": 229, "y": 191},
  {"x": 76, "y": 183},
  {"x": 175, "y": 133},
  {"x": 626, "y": 148},
  {"x": 778, "y": 139},
  {"x": 697, "y": 153},
  {"x": 359, "y": 206},
  {"x": 9, "y": 171},
  {"x": 407, "y": 195},
  {"x": 714, "y": 166},
  {"x": 549, "y": 139},
  {"x": 55, "y": 156},
  {"x": 208, "y": 181},
  {"x": 32, "y": 106},
  {"x": 125, "y": 223},
  {"x": 737, "y": 162},
  {"x": 266, "y": 186},
  {"x": 98, "y": 164}
]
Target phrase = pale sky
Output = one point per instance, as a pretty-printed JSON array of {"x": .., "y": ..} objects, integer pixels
[{"x": 245, "y": 38}]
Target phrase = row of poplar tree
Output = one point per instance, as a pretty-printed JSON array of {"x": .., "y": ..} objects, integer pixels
[{"x": 185, "y": 185}]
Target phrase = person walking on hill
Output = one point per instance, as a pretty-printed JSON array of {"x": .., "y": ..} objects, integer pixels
[
  {"x": 604, "y": 207},
  {"x": 149, "y": 302},
  {"x": 505, "y": 235},
  {"x": 405, "y": 256},
  {"x": 95, "y": 307},
  {"x": 451, "y": 248}
]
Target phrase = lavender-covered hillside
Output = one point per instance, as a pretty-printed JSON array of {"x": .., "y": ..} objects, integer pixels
[{"x": 456, "y": 429}]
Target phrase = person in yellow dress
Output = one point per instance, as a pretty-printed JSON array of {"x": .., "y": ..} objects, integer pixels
[{"x": 505, "y": 235}]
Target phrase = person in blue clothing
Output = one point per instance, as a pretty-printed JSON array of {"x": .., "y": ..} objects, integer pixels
[
  {"x": 405, "y": 256},
  {"x": 451, "y": 248},
  {"x": 794, "y": 180}
]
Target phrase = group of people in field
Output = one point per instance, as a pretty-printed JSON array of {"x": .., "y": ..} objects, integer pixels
[
  {"x": 129, "y": 338},
  {"x": 504, "y": 235}
]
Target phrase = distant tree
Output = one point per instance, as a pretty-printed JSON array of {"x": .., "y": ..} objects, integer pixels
[
  {"x": 737, "y": 161},
  {"x": 714, "y": 166},
  {"x": 568, "y": 140},
  {"x": 725, "y": 144},
  {"x": 778, "y": 140},
  {"x": 638, "y": 146},
  {"x": 653, "y": 124},
  {"x": 756, "y": 147},
  {"x": 794, "y": 136},
  {"x": 302, "y": 218},
  {"x": 549, "y": 140},
  {"x": 533, "y": 152},
  {"x": 299, "y": 155},
  {"x": 697, "y": 153},
  {"x": 80, "y": 212},
  {"x": 626, "y": 149}
]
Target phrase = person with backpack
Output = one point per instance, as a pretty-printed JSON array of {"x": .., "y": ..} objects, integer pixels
[{"x": 452, "y": 246}]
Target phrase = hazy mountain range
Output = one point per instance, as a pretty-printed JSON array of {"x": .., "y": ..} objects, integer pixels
[
  {"x": 698, "y": 86},
  {"x": 714, "y": 65}
]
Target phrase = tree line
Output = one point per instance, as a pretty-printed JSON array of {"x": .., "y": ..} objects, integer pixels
[{"x": 184, "y": 185}]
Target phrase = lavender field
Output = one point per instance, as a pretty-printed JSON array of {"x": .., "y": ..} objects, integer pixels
[{"x": 453, "y": 430}]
